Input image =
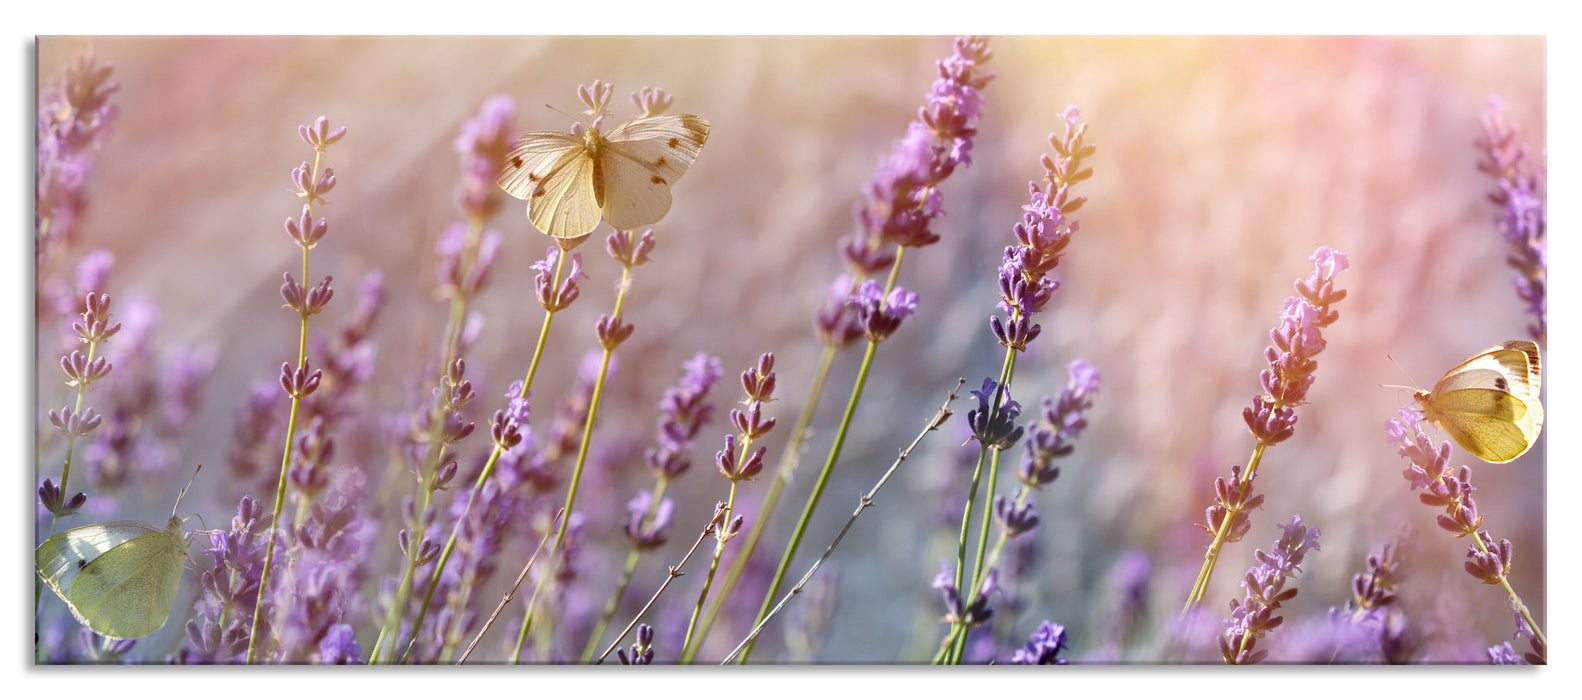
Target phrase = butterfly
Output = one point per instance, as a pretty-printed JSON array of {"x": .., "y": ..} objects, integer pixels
[
  {"x": 118, "y": 578},
  {"x": 571, "y": 180},
  {"x": 1489, "y": 403}
]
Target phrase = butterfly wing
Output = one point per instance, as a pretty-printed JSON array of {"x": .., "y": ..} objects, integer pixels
[
  {"x": 1493, "y": 425},
  {"x": 63, "y": 556},
  {"x": 128, "y": 591},
  {"x": 640, "y": 160},
  {"x": 553, "y": 171},
  {"x": 1489, "y": 404}
]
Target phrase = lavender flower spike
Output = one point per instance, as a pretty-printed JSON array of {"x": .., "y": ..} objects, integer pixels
[
  {"x": 1044, "y": 648},
  {"x": 1254, "y": 615}
]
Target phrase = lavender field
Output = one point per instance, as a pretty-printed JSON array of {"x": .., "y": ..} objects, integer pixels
[{"x": 1154, "y": 283}]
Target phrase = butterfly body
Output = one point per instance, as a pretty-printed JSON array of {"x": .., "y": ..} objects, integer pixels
[
  {"x": 571, "y": 181},
  {"x": 1489, "y": 403},
  {"x": 119, "y": 578}
]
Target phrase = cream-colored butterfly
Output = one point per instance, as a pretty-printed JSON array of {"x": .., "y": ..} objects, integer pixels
[
  {"x": 118, "y": 578},
  {"x": 571, "y": 180},
  {"x": 1489, "y": 403}
]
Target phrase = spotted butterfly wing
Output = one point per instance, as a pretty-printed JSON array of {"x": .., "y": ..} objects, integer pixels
[{"x": 1489, "y": 404}]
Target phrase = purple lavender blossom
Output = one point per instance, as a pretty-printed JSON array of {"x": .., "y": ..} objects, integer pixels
[
  {"x": 73, "y": 120},
  {"x": 1272, "y": 416},
  {"x": 1254, "y": 616},
  {"x": 642, "y": 653},
  {"x": 1044, "y": 648},
  {"x": 550, "y": 296},
  {"x": 881, "y": 314},
  {"x": 218, "y": 631},
  {"x": 836, "y": 322},
  {"x": 903, "y": 197},
  {"x": 994, "y": 422},
  {"x": 956, "y": 610},
  {"x": 647, "y": 534},
  {"x": 1061, "y": 422},
  {"x": 1523, "y": 220},
  {"x": 483, "y": 144},
  {"x": 684, "y": 409}
]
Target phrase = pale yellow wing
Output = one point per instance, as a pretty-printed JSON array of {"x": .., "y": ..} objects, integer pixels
[
  {"x": 65, "y": 554},
  {"x": 639, "y": 162},
  {"x": 128, "y": 592},
  {"x": 1493, "y": 425},
  {"x": 553, "y": 171}
]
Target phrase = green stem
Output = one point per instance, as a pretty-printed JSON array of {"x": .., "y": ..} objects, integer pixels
[
  {"x": 488, "y": 470},
  {"x": 957, "y": 633},
  {"x": 576, "y": 472},
  {"x": 626, "y": 577},
  {"x": 788, "y": 464},
  {"x": 285, "y": 459},
  {"x": 818, "y": 490},
  {"x": 1211, "y": 558},
  {"x": 689, "y": 646}
]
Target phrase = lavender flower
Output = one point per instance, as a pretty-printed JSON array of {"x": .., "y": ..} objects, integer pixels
[
  {"x": 483, "y": 144},
  {"x": 1255, "y": 615},
  {"x": 1041, "y": 238},
  {"x": 1452, "y": 489},
  {"x": 1061, "y": 422},
  {"x": 73, "y": 120},
  {"x": 1369, "y": 627},
  {"x": 644, "y": 534},
  {"x": 903, "y": 197},
  {"x": 995, "y": 426},
  {"x": 684, "y": 409},
  {"x": 881, "y": 314},
  {"x": 957, "y": 612},
  {"x": 550, "y": 296},
  {"x": 1044, "y": 648},
  {"x": 836, "y": 322},
  {"x": 1272, "y": 417},
  {"x": 1523, "y": 220},
  {"x": 642, "y": 653},
  {"x": 218, "y": 631}
]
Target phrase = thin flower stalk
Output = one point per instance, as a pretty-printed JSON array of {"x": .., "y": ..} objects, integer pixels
[
  {"x": 903, "y": 199},
  {"x": 1272, "y": 416},
  {"x": 1026, "y": 286},
  {"x": 837, "y": 328},
  {"x": 684, "y": 409},
  {"x": 511, "y": 594},
  {"x": 556, "y": 290},
  {"x": 312, "y": 184},
  {"x": 736, "y": 466},
  {"x": 1522, "y": 197},
  {"x": 1255, "y": 615},
  {"x": 1061, "y": 422},
  {"x": 864, "y": 502},
  {"x": 1447, "y": 487},
  {"x": 716, "y": 521},
  {"x": 466, "y": 255},
  {"x": 630, "y": 250},
  {"x": 76, "y": 421}
]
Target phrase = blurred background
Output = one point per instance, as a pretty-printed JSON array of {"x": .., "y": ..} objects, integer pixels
[{"x": 1222, "y": 163}]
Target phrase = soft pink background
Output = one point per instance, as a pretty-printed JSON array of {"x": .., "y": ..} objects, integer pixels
[{"x": 1222, "y": 163}]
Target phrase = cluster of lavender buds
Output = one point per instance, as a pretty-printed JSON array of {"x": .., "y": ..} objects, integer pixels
[
  {"x": 1368, "y": 628},
  {"x": 82, "y": 370},
  {"x": 1044, "y": 648},
  {"x": 903, "y": 197},
  {"x": 1451, "y": 489},
  {"x": 1298, "y": 338},
  {"x": 73, "y": 120},
  {"x": 1256, "y": 614},
  {"x": 961, "y": 612},
  {"x": 1061, "y": 421},
  {"x": 218, "y": 631},
  {"x": 1524, "y": 212},
  {"x": 642, "y": 653},
  {"x": 1041, "y": 237},
  {"x": 759, "y": 383},
  {"x": 994, "y": 428}
]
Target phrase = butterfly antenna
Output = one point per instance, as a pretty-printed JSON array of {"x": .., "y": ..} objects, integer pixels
[
  {"x": 183, "y": 491},
  {"x": 1398, "y": 366}
]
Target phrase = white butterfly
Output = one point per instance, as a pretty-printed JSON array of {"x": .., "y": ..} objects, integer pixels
[
  {"x": 1489, "y": 403},
  {"x": 572, "y": 179}
]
